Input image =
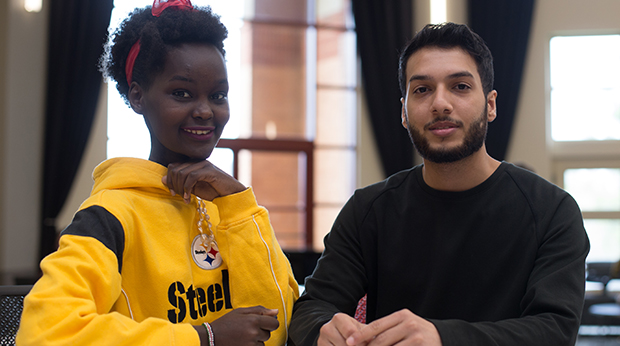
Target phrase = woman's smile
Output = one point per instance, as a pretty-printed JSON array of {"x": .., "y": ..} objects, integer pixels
[{"x": 203, "y": 134}]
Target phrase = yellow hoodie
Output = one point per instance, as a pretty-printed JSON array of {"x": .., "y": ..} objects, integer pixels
[{"x": 130, "y": 271}]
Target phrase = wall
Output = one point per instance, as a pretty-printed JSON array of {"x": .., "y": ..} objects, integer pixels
[
  {"x": 369, "y": 168},
  {"x": 3, "y": 55},
  {"x": 23, "y": 48}
]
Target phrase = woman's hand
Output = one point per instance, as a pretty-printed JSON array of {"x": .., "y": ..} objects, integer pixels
[
  {"x": 245, "y": 326},
  {"x": 202, "y": 178}
]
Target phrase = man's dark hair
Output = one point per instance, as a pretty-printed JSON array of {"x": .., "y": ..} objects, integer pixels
[
  {"x": 449, "y": 35},
  {"x": 157, "y": 36}
]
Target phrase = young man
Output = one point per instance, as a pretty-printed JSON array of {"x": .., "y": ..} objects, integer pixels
[{"x": 462, "y": 250}]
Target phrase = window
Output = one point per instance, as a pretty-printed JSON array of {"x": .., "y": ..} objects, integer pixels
[
  {"x": 293, "y": 76},
  {"x": 584, "y": 87},
  {"x": 584, "y": 103},
  {"x": 597, "y": 191}
]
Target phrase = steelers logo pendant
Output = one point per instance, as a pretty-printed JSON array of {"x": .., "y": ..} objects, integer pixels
[{"x": 206, "y": 256}]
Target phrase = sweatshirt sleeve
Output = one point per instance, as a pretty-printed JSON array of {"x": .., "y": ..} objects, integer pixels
[
  {"x": 254, "y": 253},
  {"x": 81, "y": 281}
]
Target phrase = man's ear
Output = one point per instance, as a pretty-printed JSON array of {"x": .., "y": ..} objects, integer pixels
[
  {"x": 491, "y": 105},
  {"x": 403, "y": 114},
  {"x": 135, "y": 97}
]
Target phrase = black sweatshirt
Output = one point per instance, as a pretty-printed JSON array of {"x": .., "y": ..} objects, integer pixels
[{"x": 500, "y": 264}]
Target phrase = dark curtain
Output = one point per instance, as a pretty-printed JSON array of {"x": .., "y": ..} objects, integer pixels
[
  {"x": 505, "y": 27},
  {"x": 383, "y": 28},
  {"x": 77, "y": 33}
]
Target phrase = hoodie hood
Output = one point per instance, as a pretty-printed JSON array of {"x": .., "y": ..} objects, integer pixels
[{"x": 129, "y": 173}]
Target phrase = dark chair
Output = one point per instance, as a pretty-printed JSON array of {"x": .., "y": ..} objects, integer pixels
[
  {"x": 302, "y": 263},
  {"x": 600, "y": 272},
  {"x": 11, "y": 305},
  {"x": 601, "y": 309}
]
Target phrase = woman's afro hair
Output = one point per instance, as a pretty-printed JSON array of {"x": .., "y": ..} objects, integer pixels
[{"x": 157, "y": 36}]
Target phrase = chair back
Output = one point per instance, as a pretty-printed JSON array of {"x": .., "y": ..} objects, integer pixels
[{"x": 11, "y": 305}]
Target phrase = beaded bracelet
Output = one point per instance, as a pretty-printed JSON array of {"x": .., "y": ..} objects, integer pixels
[{"x": 210, "y": 333}]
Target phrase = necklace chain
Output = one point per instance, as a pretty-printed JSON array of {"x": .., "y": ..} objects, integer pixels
[{"x": 207, "y": 239}]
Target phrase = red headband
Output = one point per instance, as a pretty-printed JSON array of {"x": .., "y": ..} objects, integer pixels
[{"x": 158, "y": 7}]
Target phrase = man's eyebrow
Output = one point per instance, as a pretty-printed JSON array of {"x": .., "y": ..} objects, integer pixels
[
  {"x": 461, "y": 74},
  {"x": 419, "y": 77},
  {"x": 452, "y": 76}
]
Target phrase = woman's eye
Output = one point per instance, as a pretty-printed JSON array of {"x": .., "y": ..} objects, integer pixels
[
  {"x": 181, "y": 94},
  {"x": 219, "y": 96}
]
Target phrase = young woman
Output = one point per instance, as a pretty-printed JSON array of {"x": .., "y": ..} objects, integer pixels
[{"x": 170, "y": 250}]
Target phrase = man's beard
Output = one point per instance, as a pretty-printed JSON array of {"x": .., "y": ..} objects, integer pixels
[{"x": 474, "y": 139}]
